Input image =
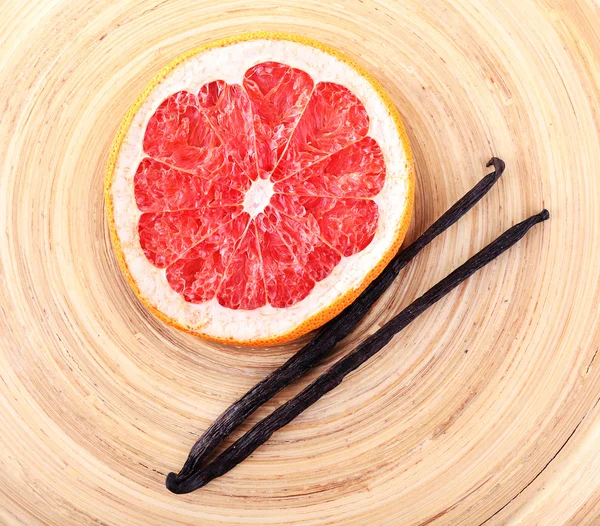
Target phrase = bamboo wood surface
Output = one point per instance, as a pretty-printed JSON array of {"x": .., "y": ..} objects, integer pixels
[{"x": 484, "y": 411}]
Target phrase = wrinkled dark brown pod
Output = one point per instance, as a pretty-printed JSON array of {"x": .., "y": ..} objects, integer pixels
[
  {"x": 332, "y": 332},
  {"x": 262, "y": 431}
]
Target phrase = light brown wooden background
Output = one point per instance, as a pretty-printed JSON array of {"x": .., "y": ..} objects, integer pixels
[{"x": 485, "y": 411}]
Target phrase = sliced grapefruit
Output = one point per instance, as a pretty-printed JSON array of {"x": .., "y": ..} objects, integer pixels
[{"x": 256, "y": 187}]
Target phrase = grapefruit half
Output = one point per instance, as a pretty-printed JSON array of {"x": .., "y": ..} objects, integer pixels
[{"x": 256, "y": 187}]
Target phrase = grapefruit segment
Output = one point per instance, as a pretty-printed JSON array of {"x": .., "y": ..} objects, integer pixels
[
  {"x": 232, "y": 174},
  {"x": 355, "y": 171},
  {"x": 291, "y": 205},
  {"x": 197, "y": 274},
  {"x": 228, "y": 110},
  {"x": 278, "y": 94},
  {"x": 164, "y": 236},
  {"x": 316, "y": 256},
  {"x": 333, "y": 119},
  {"x": 348, "y": 224},
  {"x": 180, "y": 135},
  {"x": 287, "y": 282},
  {"x": 159, "y": 187},
  {"x": 243, "y": 286}
]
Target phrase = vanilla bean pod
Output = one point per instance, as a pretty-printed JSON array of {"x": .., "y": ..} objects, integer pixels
[
  {"x": 332, "y": 332},
  {"x": 262, "y": 431}
]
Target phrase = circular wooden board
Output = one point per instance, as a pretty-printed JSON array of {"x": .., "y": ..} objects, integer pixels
[{"x": 484, "y": 411}]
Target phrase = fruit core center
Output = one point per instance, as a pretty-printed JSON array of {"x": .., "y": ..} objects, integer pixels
[{"x": 258, "y": 196}]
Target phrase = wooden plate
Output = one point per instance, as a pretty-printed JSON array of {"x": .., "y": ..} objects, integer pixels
[{"x": 484, "y": 411}]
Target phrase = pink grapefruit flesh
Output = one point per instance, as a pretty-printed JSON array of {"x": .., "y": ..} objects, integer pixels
[{"x": 206, "y": 151}]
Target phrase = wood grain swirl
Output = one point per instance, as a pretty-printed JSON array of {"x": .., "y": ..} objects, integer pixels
[{"x": 484, "y": 411}]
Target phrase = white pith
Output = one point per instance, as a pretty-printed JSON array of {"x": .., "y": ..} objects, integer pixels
[
  {"x": 258, "y": 196},
  {"x": 229, "y": 64}
]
